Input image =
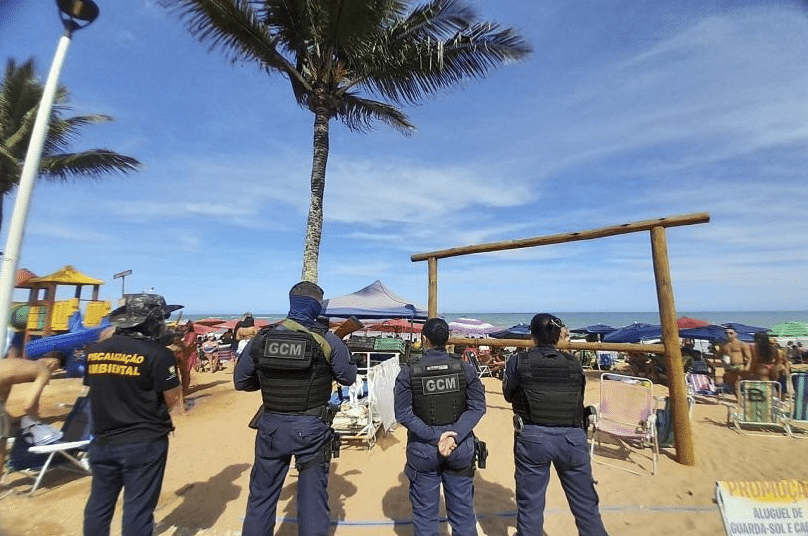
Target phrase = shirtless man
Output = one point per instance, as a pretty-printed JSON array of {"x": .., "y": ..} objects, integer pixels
[
  {"x": 14, "y": 371},
  {"x": 739, "y": 357}
]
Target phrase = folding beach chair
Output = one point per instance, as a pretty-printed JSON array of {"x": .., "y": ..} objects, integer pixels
[
  {"x": 798, "y": 413},
  {"x": 627, "y": 411},
  {"x": 605, "y": 360},
  {"x": 470, "y": 355},
  {"x": 759, "y": 406},
  {"x": 34, "y": 459},
  {"x": 702, "y": 387}
]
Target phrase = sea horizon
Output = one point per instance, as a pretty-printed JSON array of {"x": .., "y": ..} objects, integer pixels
[{"x": 578, "y": 319}]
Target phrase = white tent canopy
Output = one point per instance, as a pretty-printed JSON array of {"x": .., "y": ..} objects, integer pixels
[{"x": 373, "y": 301}]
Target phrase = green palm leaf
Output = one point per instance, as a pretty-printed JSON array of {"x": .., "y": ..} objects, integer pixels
[
  {"x": 20, "y": 94},
  {"x": 345, "y": 58}
]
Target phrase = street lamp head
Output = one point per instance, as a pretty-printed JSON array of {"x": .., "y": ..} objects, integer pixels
[{"x": 72, "y": 12}]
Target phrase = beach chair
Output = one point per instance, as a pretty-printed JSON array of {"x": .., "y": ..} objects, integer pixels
[
  {"x": 470, "y": 355},
  {"x": 798, "y": 412},
  {"x": 586, "y": 358},
  {"x": 36, "y": 460},
  {"x": 759, "y": 406},
  {"x": 605, "y": 360},
  {"x": 702, "y": 387},
  {"x": 627, "y": 411}
]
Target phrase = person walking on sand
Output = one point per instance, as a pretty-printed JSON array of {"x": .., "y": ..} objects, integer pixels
[
  {"x": 546, "y": 389},
  {"x": 293, "y": 365},
  {"x": 439, "y": 399},
  {"x": 133, "y": 384}
]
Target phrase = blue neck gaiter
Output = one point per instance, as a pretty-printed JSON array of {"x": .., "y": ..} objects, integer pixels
[{"x": 303, "y": 309}]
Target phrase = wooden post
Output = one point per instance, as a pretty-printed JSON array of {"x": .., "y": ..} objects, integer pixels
[
  {"x": 432, "y": 306},
  {"x": 670, "y": 338}
]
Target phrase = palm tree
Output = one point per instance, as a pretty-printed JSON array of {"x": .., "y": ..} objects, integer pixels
[
  {"x": 19, "y": 102},
  {"x": 333, "y": 50}
]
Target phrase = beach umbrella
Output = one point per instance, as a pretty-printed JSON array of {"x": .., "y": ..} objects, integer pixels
[
  {"x": 710, "y": 332},
  {"x": 743, "y": 328},
  {"x": 472, "y": 326},
  {"x": 519, "y": 331},
  {"x": 686, "y": 322},
  {"x": 634, "y": 332},
  {"x": 209, "y": 321},
  {"x": 789, "y": 329},
  {"x": 396, "y": 325},
  {"x": 231, "y": 324},
  {"x": 597, "y": 329}
]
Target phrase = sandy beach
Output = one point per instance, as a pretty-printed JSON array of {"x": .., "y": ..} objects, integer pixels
[{"x": 211, "y": 453}]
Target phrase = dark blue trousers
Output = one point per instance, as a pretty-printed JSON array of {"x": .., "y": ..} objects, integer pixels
[
  {"x": 427, "y": 471},
  {"x": 534, "y": 448},
  {"x": 138, "y": 468},
  {"x": 280, "y": 437}
]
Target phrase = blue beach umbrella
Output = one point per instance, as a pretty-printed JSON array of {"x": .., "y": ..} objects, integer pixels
[
  {"x": 519, "y": 331},
  {"x": 710, "y": 333},
  {"x": 745, "y": 333},
  {"x": 597, "y": 329},
  {"x": 634, "y": 333}
]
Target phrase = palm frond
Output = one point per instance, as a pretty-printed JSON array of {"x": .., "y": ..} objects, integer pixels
[
  {"x": 359, "y": 114},
  {"x": 434, "y": 20},
  {"x": 62, "y": 132},
  {"x": 88, "y": 164},
  {"x": 233, "y": 27},
  {"x": 415, "y": 69}
]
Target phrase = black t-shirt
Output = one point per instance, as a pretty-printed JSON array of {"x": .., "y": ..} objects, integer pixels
[{"x": 127, "y": 376}]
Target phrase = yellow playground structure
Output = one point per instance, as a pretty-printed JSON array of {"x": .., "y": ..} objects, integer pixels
[{"x": 43, "y": 315}]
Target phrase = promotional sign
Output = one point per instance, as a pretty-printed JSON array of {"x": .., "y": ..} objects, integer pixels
[{"x": 778, "y": 507}]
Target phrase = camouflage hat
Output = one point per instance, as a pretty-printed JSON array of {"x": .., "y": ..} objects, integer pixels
[{"x": 138, "y": 308}]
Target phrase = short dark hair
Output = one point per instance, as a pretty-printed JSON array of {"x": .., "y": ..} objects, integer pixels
[
  {"x": 307, "y": 288},
  {"x": 437, "y": 331},
  {"x": 546, "y": 328}
]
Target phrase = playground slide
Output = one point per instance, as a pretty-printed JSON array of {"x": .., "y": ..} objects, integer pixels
[{"x": 65, "y": 343}]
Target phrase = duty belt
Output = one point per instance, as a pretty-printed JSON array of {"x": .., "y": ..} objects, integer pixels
[{"x": 325, "y": 412}]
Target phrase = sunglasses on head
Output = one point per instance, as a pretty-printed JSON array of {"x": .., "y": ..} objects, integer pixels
[{"x": 557, "y": 323}]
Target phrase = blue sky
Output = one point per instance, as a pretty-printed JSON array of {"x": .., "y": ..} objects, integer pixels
[{"x": 626, "y": 111}]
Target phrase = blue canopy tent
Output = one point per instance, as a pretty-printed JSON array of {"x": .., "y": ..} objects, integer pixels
[
  {"x": 373, "y": 301},
  {"x": 634, "y": 332},
  {"x": 519, "y": 331}
]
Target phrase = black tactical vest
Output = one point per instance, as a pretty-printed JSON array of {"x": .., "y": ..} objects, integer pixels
[
  {"x": 293, "y": 368},
  {"x": 438, "y": 391},
  {"x": 551, "y": 389}
]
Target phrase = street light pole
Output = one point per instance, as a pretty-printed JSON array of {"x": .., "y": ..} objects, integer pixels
[{"x": 70, "y": 12}]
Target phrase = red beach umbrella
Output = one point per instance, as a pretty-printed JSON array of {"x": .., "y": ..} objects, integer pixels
[
  {"x": 231, "y": 324},
  {"x": 397, "y": 325},
  {"x": 686, "y": 322}
]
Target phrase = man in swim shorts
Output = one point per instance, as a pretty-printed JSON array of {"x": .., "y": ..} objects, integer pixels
[{"x": 737, "y": 358}]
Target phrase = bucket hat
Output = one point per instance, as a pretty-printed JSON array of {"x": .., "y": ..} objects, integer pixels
[{"x": 137, "y": 308}]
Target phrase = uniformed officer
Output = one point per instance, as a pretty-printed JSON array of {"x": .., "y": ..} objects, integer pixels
[
  {"x": 439, "y": 399},
  {"x": 293, "y": 365},
  {"x": 133, "y": 384},
  {"x": 546, "y": 389}
]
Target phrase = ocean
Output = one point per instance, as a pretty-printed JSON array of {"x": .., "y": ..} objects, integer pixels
[{"x": 763, "y": 319}]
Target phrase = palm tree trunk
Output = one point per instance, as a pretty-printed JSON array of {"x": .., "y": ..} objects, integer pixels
[{"x": 314, "y": 225}]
